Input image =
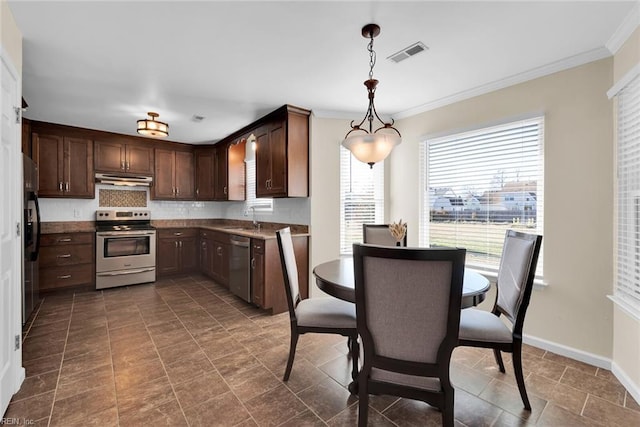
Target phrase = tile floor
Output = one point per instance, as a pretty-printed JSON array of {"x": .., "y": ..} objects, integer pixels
[{"x": 187, "y": 352}]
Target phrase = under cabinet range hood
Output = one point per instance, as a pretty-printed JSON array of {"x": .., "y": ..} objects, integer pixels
[{"x": 124, "y": 180}]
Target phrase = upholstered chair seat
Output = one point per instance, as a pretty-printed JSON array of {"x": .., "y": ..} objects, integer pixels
[
  {"x": 326, "y": 313},
  {"x": 479, "y": 325}
]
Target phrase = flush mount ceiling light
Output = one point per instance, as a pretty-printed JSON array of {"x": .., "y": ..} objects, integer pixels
[
  {"x": 152, "y": 127},
  {"x": 371, "y": 146}
]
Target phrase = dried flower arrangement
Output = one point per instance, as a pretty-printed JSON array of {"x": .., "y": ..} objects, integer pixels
[{"x": 398, "y": 230}]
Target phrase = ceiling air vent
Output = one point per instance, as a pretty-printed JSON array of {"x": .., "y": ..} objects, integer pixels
[
  {"x": 407, "y": 52},
  {"x": 196, "y": 118}
]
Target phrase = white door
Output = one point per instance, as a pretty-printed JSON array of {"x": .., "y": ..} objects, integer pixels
[{"x": 11, "y": 372}]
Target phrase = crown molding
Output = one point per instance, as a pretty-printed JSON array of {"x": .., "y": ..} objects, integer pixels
[
  {"x": 545, "y": 70},
  {"x": 626, "y": 28}
]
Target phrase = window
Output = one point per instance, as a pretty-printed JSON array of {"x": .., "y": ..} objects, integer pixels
[
  {"x": 361, "y": 198},
  {"x": 262, "y": 204},
  {"x": 628, "y": 161},
  {"x": 478, "y": 184}
]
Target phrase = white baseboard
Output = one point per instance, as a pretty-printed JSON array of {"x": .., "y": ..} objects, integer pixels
[
  {"x": 572, "y": 353},
  {"x": 632, "y": 388},
  {"x": 591, "y": 359}
]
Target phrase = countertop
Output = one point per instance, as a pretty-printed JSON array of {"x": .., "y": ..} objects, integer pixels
[{"x": 237, "y": 227}]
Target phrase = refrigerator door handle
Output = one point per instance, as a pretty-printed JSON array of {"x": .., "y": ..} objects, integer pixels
[{"x": 34, "y": 254}]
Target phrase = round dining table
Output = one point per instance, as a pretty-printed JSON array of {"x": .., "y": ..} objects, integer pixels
[{"x": 336, "y": 278}]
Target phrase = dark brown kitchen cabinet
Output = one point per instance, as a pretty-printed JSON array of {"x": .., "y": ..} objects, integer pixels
[
  {"x": 266, "y": 272},
  {"x": 177, "y": 251},
  {"x": 282, "y": 154},
  {"x": 65, "y": 165},
  {"x": 67, "y": 261},
  {"x": 229, "y": 170},
  {"x": 204, "y": 160},
  {"x": 207, "y": 251},
  {"x": 113, "y": 156},
  {"x": 214, "y": 255},
  {"x": 174, "y": 175}
]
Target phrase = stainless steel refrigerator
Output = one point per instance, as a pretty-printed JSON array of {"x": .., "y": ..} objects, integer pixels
[{"x": 31, "y": 236}]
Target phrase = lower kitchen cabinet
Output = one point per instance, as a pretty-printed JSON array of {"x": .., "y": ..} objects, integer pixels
[
  {"x": 214, "y": 255},
  {"x": 267, "y": 282},
  {"x": 67, "y": 261},
  {"x": 177, "y": 251}
]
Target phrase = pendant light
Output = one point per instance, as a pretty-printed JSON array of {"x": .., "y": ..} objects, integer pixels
[
  {"x": 152, "y": 127},
  {"x": 371, "y": 146}
]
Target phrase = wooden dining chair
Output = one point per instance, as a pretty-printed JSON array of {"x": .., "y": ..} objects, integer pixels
[
  {"x": 323, "y": 315},
  {"x": 479, "y": 328},
  {"x": 379, "y": 234},
  {"x": 408, "y": 312}
]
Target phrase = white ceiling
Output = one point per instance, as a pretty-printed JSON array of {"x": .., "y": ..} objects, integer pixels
[{"x": 104, "y": 64}]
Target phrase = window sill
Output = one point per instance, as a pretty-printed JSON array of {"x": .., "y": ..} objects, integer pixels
[
  {"x": 626, "y": 307},
  {"x": 538, "y": 283}
]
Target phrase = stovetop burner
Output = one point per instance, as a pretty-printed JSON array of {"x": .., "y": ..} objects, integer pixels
[{"x": 121, "y": 220}]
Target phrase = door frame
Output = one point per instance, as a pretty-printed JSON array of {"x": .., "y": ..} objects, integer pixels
[{"x": 13, "y": 305}]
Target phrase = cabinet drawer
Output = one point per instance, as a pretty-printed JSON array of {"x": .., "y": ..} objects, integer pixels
[
  {"x": 66, "y": 239},
  {"x": 52, "y": 256},
  {"x": 62, "y": 277},
  {"x": 177, "y": 233}
]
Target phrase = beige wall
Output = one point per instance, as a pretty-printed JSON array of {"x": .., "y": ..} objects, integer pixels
[
  {"x": 626, "y": 328},
  {"x": 10, "y": 36},
  {"x": 573, "y": 309}
]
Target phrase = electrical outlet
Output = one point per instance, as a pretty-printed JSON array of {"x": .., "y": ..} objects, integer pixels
[{"x": 76, "y": 213}]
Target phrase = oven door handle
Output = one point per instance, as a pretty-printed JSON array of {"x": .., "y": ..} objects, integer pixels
[
  {"x": 126, "y": 233},
  {"x": 123, "y": 273}
]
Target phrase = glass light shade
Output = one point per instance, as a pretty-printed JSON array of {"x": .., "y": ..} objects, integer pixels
[
  {"x": 371, "y": 147},
  {"x": 150, "y": 127}
]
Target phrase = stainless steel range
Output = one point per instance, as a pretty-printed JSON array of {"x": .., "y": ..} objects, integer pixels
[{"x": 125, "y": 248}]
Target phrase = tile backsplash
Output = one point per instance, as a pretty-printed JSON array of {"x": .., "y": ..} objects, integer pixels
[
  {"x": 288, "y": 211},
  {"x": 122, "y": 198}
]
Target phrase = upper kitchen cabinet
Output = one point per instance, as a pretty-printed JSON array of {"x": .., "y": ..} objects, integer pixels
[
  {"x": 123, "y": 157},
  {"x": 65, "y": 165},
  {"x": 204, "y": 158},
  {"x": 229, "y": 170},
  {"x": 282, "y": 153},
  {"x": 174, "y": 175}
]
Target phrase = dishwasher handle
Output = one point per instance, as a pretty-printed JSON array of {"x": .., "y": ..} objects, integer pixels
[{"x": 240, "y": 241}]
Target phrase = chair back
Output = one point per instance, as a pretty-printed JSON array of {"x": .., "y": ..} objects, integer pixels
[
  {"x": 516, "y": 274},
  {"x": 408, "y": 306},
  {"x": 379, "y": 234},
  {"x": 289, "y": 269}
]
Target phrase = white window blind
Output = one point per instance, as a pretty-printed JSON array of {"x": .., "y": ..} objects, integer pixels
[
  {"x": 628, "y": 161},
  {"x": 262, "y": 204},
  {"x": 478, "y": 184},
  {"x": 361, "y": 198}
]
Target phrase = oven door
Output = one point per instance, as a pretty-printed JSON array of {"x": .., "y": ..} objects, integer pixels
[{"x": 125, "y": 250}]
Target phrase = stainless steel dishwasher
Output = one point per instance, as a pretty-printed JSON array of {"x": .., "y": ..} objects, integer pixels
[{"x": 239, "y": 267}]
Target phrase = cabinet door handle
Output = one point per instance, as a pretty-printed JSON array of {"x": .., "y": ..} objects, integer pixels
[
  {"x": 66, "y": 276},
  {"x": 266, "y": 184},
  {"x": 60, "y": 186},
  {"x": 177, "y": 233},
  {"x": 177, "y": 191},
  {"x": 65, "y": 240},
  {"x": 197, "y": 191},
  {"x": 253, "y": 263},
  {"x": 128, "y": 166},
  {"x": 219, "y": 250},
  {"x": 122, "y": 165},
  {"x": 66, "y": 187},
  {"x": 64, "y": 256},
  {"x": 176, "y": 243},
  {"x": 204, "y": 245},
  {"x": 180, "y": 244},
  {"x": 225, "y": 189}
]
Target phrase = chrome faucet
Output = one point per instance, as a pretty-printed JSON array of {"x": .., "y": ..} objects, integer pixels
[{"x": 256, "y": 224}]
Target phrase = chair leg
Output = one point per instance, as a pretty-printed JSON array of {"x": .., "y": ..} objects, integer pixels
[
  {"x": 292, "y": 353},
  {"x": 517, "y": 368},
  {"x": 498, "y": 356},
  {"x": 363, "y": 404},
  {"x": 354, "y": 350},
  {"x": 447, "y": 411}
]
